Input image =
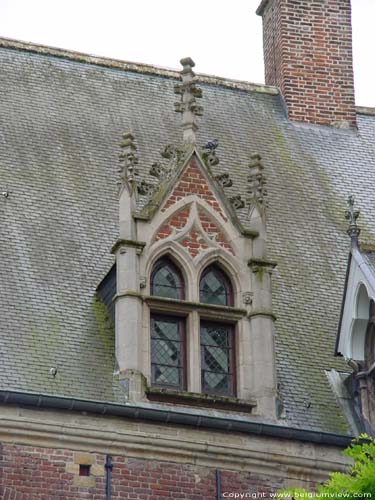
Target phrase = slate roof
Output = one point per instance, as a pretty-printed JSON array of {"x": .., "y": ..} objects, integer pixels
[
  {"x": 61, "y": 118},
  {"x": 370, "y": 257}
]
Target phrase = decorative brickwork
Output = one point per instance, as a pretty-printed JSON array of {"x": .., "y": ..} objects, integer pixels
[
  {"x": 30, "y": 473},
  {"x": 193, "y": 182},
  {"x": 178, "y": 221},
  {"x": 194, "y": 242},
  {"x": 214, "y": 232},
  {"x": 308, "y": 55}
]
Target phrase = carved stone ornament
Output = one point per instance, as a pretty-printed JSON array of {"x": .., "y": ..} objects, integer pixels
[
  {"x": 142, "y": 282},
  {"x": 188, "y": 106},
  {"x": 164, "y": 170},
  {"x": 128, "y": 159},
  {"x": 224, "y": 180},
  {"x": 145, "y": 189},
  {"x": 247, "y": 298},
  {"x": 209, "y": 155},
  {"x": 237, "y": 202},
  {"x": 352, "y": 215},
  {"x": 256, "y": 181}
]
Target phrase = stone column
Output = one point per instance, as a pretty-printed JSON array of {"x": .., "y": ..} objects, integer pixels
[
  {"x": 261, "y": 318},
  {"x": 128, "y": 300}
]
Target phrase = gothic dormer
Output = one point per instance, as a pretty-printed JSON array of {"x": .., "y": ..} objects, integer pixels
[
  {"x": 356, "y": 335},
  {"x": 194, "y": 321}
]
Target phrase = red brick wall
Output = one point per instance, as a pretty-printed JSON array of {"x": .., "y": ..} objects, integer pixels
[
  {"x": 193, "y": 182},
  {"x": 308, "y": 55},
  {"x": 30, "y": 473},
  {"x": 194, "y": 241}
]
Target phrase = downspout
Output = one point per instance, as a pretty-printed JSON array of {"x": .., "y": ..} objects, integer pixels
[
  {"x": 218, "y": 484},
  {"x": 108, "y": 476}
]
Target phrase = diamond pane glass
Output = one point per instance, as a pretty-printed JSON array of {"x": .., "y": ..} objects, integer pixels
[
  {"x": 166, "y": 281},
  {"x": 214, "y": 288},
  {"x": 216, "y": 354},
  {"x": 167, "y": 358},
  {"x": 217, "y": 383}
]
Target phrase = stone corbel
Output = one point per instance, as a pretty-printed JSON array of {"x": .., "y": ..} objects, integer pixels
[
  {"x": 261, "y": 265},
  {"x": 123, "y": 244}
]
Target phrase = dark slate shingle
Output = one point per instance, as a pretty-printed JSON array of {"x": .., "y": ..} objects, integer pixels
[{"x": 60, "y": 126}]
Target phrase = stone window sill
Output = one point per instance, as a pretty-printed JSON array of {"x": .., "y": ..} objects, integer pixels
[{"x": 199, "y": 400}]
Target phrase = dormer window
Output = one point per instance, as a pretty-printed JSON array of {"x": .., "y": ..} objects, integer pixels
[
  {"x": 166, "y": 280},
  {"x": 174, "y": 330},
  {"x": 217, "y": 338},
  {"x": 215, "y": 288},
  {"x": 168, "y": 340}
]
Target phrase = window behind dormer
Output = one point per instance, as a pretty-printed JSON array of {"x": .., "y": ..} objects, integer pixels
[
  {"x": 215, "y": 288},
  {"x": 166, "y": 280},
  {"x": 217, "y": 338},
  {"x": 168, "y": 338}
]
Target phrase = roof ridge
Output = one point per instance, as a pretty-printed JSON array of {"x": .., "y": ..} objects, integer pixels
[
  {"x": 365, "y": 110},
  {"x": 132, "y": 66}
]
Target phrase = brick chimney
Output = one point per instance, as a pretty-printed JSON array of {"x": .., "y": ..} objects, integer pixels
[{"x": 308, "y": 55}]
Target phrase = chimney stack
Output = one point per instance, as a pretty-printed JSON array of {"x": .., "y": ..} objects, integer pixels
[{"x": 308, "y": 55}]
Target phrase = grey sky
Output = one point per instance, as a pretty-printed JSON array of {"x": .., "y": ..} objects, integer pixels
[{"x": 224, "y": 38}]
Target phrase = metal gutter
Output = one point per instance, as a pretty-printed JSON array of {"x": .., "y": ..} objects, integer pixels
[{"x": 170, "y": 416}]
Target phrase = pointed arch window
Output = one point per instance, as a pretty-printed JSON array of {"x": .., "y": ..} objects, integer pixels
[
  {"x": 215, "y": 288},
  {"x": 370, "y": 338},
  {"x": 167, "y": 281},
  {"x": 216, "y": 338},
  {"x": 168, "y": 339},
  {"x": 370, "y": 361}
]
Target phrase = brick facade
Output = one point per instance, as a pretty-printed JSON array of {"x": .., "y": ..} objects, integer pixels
[
  {"x": 308, "y": 55},
  {"x": 193, "y": 182},
  {"x": 31, "y": 473},
  {"x": 194, "y": 241}
]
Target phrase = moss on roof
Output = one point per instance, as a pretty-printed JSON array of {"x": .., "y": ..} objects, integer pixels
[{"x": 61, "y": 123}]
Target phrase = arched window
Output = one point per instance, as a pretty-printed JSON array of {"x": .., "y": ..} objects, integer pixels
[
  {"x": 215, "y": 288},
  {"x": 166, "y": 280},
  {"x": 217, "y": 338},
  {"x": 168, "y": 340},
  {"x": 370, "y": 337},
  {"x": 368, "y": 397}
]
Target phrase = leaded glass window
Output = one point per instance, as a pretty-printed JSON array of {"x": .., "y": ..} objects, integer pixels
[
  {"x": 168, "y": 351},
  {"x": 217, "y": 358},
  {"x": 166, "y": 280},
  {"x": 215, "y": 288}
]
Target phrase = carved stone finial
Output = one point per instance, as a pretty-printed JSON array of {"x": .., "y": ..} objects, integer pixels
[
  {"x": 188, "y": 106},
  {"x": 256, "y": 180},
  {"x": 129, "y": 160},
  {"x": 352, "y": 215}
]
